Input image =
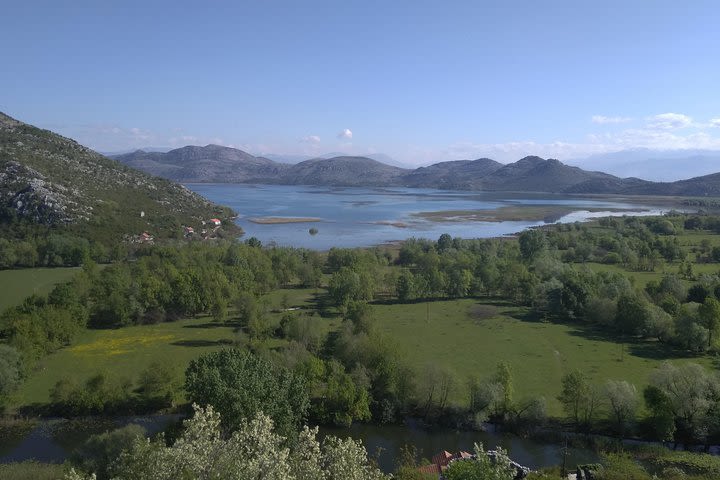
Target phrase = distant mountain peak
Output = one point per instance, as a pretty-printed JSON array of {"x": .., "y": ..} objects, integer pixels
[{"x": 529, "y": 174}]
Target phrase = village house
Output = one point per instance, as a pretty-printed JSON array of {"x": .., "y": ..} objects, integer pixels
[
  {"x": 215, "y": 222},
  {"x": 441, "y": 461}
]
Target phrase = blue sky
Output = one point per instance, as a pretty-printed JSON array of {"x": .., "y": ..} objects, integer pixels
[{"x": 420, "y": 81}]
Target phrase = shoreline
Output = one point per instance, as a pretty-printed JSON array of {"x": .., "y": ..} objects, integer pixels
[{"x": 282, "y": 220}]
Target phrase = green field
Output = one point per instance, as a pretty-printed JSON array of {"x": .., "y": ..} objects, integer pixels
[
  {"x": 125, "y": 352},
  {"x": 468, "y": 342},
  {"x": 20, "y": 284},
  {"x": 466, "y": 336}
]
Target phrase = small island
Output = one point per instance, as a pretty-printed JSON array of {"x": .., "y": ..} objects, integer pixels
[{"x": 278, "y": 220}]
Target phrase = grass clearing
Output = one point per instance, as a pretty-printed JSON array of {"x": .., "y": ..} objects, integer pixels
[
  {"x": 540, "y": 353},
  {"x": 125, "y": 352},
  {"x": 17, "y": 285}
]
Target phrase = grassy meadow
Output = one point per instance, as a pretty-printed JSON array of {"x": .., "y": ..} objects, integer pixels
[
  {"x": 125, "y": 352},
  {"x": 20, "y": 284},
  {"x": 466, "y": 336},
  {"x": 471, "y": 337}
]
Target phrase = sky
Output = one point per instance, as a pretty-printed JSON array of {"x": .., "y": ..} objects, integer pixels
[{"x": 417, "y": 80}]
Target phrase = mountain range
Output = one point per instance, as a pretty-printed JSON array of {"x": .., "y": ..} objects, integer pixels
[
  {"x": 217, "y": 164},
  {"x": 655, "y": 165},
  {"x": 53, "y": 182}
]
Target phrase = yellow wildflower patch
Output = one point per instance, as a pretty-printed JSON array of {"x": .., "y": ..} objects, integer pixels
[{"x": 119, "y": 344}]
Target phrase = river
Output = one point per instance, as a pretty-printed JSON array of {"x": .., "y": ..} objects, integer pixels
[{"x": 54, "y": 440}]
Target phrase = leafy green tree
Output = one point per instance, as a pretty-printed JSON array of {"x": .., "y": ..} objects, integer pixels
[
  {"x": 690, "y": 393},
  {"x": 255, "y": 450},
  {"x": 690, "y": 334},
  {"x": 662, "y": 418},
  {"x": 444, "y": 243},
  {"x": 406, "y": 286},
  {"x": 459, "y": 283},
  {"x": 532, "y": 243},
  {"x": 482, "y": 467},
  {"x": 342, "y": 401},
  {"x": 10, "y": 370},
  {"x": 347, "y": 284},
  {"x": 631, "y": 315},
  {"x": 623, "y": 401},
  {"x": 100, "y": 451},
  {"x": 240, "y": 385},
  {"x": 158, "y": 385},
  {"x": 709, "y": 313},
  {"x": 504, "y": 378},
  {"x": 578, "y": 398}
]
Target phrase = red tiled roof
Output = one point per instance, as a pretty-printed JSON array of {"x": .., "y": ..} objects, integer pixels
[
  {"x": 442, "y": 458},
  {"x": 430, "y": 469}
]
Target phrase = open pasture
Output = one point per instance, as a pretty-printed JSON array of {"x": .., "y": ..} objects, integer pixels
[{"x": 469, "y": 338}]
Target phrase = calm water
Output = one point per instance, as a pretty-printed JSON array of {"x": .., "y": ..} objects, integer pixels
[
  {"x": 53, "y": 441},
  {"x": 350, "y": 216},
  {"x": 386, "y": 442}
]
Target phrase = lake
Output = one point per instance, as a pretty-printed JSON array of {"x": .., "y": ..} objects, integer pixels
[{"x": 360, "y": 217}]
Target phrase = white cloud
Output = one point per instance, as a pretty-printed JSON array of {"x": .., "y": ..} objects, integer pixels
[
  {"x": 669, "y": 121},
  {"x": 313, "y": 139},
  {"x": 602, "y": 119},
  {"x": 345, "y": 134},
  {"x": 715, "y": 122}
]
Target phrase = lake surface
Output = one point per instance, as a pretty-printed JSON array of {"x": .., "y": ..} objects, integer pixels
[{"x": 359, "y": 217}]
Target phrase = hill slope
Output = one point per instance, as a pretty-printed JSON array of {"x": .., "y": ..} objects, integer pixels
[
  {"x": 342, "y": 171},
  {"x": 53, "y": 182},
  {"x": 212, "y": 163},
  {"x": 456, "y": 175},
  {"x": 530, "y": 174}
]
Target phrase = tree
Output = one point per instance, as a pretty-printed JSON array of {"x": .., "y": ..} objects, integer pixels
[
  {"x": 662, "y": 418},
  {"x": 459, "y": 283},
  {"x": 405, "y": 286},
  {"x": 504, "y": 378},
  {"x": 10, "y": 368},
  {"x": 342, "y": 400},
  {"x": 482, "y": 467},
  {"x": 709, "y": 313},
  {"x": 532, "y": 242},
  {"x": 240, "y": 384},
  {"x": 690, "y": 394},
  {"x": 444, "y": 243},
  {"x": 255, "y": 450},
  {"x": 578, "y": 398},
  {"x": 100, "y": 451},
  {"x": 689, "y": 333},
  {"x": 623, "y": 400},
  {"x": 632, "y": 315},
  {"x": 347, "y": 284},
  {"x": 158, "y": 385}
]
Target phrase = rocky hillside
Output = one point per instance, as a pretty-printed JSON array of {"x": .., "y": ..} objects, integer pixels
[
  {"x": 456, "y": 175},
  {"x": 342, "y": 171},
  {"x": 212, "y": 164},
  {"x": 51, "y": 181}
]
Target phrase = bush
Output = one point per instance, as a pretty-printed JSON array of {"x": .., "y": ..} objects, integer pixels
[{"x": 99, "y": 451}]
